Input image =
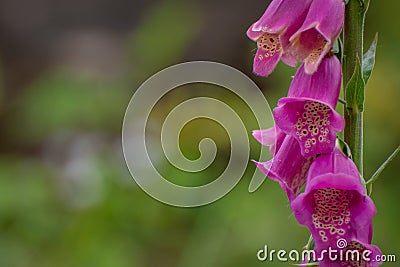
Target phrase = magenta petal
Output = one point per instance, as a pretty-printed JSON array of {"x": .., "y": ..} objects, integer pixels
[
  {"x": 334, "y": 204},
  {"x": 288, "y": 167},
  {"x": 323, "y": 85},
  {"x": 326, "y": 16},
  {"x": 313, "y": 124},
  {"x": 331, "y": 210},
  {"x": 272, "y": 137},
  {"x": 253, "y": 35},
  {"x": 308, "y": 113},
  {"x": 319, "y": 31},
  {"x": 281, "y": 19},
  {"x": 371, "y": 259},
  {"x": 289, "y": 60},
  {"x": 265, "y": 137},
  {"x": 281, "y": 13},
  {"x": 264, "y": 62},
  {"x": 368, "y": 255},
  {"x": 337, "y": 163},
  {"x": 312, "y": 62}
]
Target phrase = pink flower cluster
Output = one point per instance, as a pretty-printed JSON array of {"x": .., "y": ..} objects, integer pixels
[{"x": 334, "y": 204}]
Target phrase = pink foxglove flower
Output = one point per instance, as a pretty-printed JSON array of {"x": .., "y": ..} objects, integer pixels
[
  {"x": 319, "y": 31},
  {"x": 273, "y": 31},
  {"x": 334, "y": 206},
  {"x": 308, "y": 112},
  {"x": 288, "y": 167}
]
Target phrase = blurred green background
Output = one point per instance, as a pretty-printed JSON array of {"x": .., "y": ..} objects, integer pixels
[{"x": 67, "y": 72}]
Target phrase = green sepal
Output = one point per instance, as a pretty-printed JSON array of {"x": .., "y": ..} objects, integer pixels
[
  {"x": 369, "y": 60},
  {"x": 355, "y": 89}
]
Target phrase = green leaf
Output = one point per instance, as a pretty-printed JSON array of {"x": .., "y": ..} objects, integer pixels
[
  {"x": 375, "y": 176},
  {"x": 355, "y": 89},
  {"x": 369, "y": 60}
]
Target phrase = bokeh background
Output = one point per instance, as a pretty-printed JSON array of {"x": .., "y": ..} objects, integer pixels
[{"x": 67, "y": 72}]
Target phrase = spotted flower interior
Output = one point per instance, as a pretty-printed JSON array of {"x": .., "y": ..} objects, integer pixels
[
  {"x": 269, "y": 44},
  {"x": 310, "y": 47},
  {"x": 318, "y": 48},
  {"x": 357, "y": 259},
  {"x": 312, "y": 125},
  {"x": 331, "y": 214}
]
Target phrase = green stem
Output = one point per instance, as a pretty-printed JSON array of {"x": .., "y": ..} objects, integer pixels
[{"x": 353, "y": 32}]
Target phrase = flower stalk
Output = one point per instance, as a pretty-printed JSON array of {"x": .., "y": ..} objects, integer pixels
[{"x": 353, "y": 37}]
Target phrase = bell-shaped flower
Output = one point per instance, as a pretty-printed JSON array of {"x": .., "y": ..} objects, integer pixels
[
  {"x": 273, "y": 31},
  {"x": 335, "y": 208},
  {"x": 288, "y": 167},
  {"x": 308, "y": 112},
  {"x": 321, "y": 28}
]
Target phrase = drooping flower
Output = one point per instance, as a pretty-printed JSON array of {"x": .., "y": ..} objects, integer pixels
[
  {"x": 308, "y": 112},
  {"x": 318, "y": 33},
  {"x": 273, "y": 31},
  {"x": 334, "y": 207},
  {"x": 288, "y": 167}
]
